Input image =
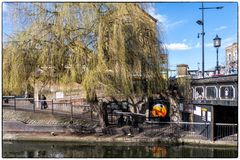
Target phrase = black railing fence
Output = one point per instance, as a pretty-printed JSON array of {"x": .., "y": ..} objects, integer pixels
[
  {"x": 67, "y": 108},
  {"x": 179, "y": 129},
  {"x": 226, "y": 131},
  {"x": 220, "y": 131}
]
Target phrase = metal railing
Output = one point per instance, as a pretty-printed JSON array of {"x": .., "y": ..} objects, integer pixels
[
  {"x": 179, "y": 129},
  {"x": 53, "y": 106},
  {"x": 226, "y": 131},
  {"x": 220, "y": 131},
  {"x": 9, "y": 101}
]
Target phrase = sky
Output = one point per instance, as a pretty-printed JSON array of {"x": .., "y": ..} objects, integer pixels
[{"x": 179, "y": 30}]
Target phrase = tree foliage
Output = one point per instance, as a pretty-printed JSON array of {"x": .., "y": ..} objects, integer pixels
[
  {"x": 128, "y": 56},
  {"x": 53, "y": 38},
  {"x": 109, "y": 48}
]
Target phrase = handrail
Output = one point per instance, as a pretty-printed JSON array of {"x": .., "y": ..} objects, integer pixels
[
  {"x": 226, "y": 124},
  {"x": 220, "y": 124},
  {"x": 24, "y": 98},
  {"x": 61, "y": 102},
  {"x": 43, "y": 100},
  {"x": 152, "y": 122},
  {"x": 8, "y": 96}
]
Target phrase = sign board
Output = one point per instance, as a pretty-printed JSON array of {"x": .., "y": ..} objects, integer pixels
[
  {"x": 209, "y": 116},
  {"x": 59, "y": 95},
  {"x": 204, "y": 115},
  {"x": 197, "y": 111}
]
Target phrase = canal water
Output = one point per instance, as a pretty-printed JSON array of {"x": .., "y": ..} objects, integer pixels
[{"x": 32, "y": 149}]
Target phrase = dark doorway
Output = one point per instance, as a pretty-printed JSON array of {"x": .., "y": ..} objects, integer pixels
[
  {"x": 225, "y": 118},
  {"x": 225, "y": 114}
]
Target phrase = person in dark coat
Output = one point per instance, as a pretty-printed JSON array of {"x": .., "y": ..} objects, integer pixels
[
  {"x": 41, "y": 101},
  {"x": 44, "y": 102},
  {"x": 120, "y": 121}
]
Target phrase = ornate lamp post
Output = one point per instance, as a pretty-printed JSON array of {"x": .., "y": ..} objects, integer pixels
[
  {"x": 201, "y": 23},
  {"x": 217, "y": 44}
]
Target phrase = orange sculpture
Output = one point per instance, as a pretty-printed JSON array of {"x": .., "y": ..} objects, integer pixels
[{"x": 159, "y": 110}]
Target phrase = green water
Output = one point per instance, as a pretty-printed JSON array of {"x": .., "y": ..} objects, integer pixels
[{"x": 110, "y": 150}]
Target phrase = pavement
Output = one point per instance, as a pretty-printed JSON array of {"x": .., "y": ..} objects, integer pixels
[
  {"x": 16, "y": 126},
  {"x": 22, "y": 125},
  {"x": 19, "y": 131}
]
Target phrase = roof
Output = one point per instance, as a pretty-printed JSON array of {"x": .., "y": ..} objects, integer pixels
[
  {"x": 219, "y": 79},
  {"x": 182, "y": 65},
  {"x": 232, "y": 45},
  {"x": 155, "y": 20}
]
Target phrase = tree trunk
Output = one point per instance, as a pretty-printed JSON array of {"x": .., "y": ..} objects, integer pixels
[
  {"x": 101, "y": 109},
  {"x": 134, "y": 108},
  {"x": 105, "y": 114}
]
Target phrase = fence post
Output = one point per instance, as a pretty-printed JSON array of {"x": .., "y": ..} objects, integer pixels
[
  {"x": 52, "y": 106},
  {"x": 212, "y": 126},
  {"x": 232, "y": 132},
  {"x": 15, "y": 106},
  {"x": 34, "y": 105}
]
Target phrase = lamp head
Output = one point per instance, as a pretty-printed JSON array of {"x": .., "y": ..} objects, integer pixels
[
  {"x": 199, "y": 22},
  {"x": 217, "y": 41}
]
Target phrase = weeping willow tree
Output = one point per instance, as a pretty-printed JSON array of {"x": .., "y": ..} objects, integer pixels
[
  {"x": 129, "y": 51},
  {"x": 111, "y": 49},
  {"x": 51, "y": 46}
]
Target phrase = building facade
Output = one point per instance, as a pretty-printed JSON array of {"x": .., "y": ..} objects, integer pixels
[{"x": 231, "y": 58}]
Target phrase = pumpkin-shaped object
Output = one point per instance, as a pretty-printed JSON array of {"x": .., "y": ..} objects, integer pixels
[{"x": 159, "y": 110}]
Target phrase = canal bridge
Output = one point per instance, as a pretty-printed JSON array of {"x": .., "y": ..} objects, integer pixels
[{"x": 215, "y": 101}]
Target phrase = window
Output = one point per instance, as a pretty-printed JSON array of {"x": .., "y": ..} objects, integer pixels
[
  {"x": 211, "y": 92},
  {"x": 199, "y": 94},
  {"x": 227, "y": 92},
  {"x": 229, "y": 58},
  {"x": 235, "y": 55}
]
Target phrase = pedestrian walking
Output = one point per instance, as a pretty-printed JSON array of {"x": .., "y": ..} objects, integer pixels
[
  {"x": 44, "y": 102},
  {"x": 41, "y": 101}
]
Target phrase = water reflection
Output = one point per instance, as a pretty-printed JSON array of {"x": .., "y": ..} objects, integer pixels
[
  {"x": 108, "y": 150},
  {"x": 159, "y": 151}
]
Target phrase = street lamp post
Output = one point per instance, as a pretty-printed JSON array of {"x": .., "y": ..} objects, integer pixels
[
  {"x": 201, "y": 22},
  {"x": 217, "y": 44}
]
